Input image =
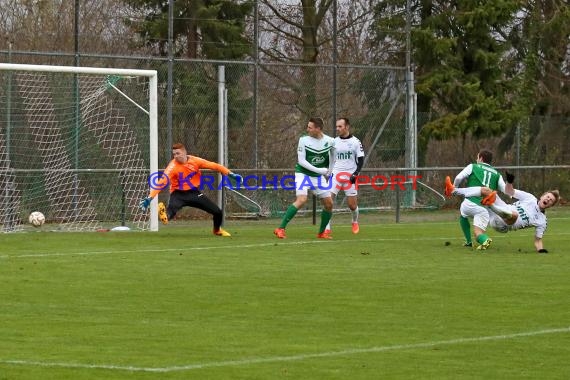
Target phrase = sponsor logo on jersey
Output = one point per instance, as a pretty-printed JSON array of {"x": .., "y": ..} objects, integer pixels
[{"x": 317, "y": 160}]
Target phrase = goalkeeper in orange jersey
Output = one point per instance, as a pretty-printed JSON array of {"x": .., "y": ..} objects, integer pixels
[{"x": 184, "y": 175}]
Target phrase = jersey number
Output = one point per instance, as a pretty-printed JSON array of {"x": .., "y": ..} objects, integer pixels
[{"x": 486, "y": 178}]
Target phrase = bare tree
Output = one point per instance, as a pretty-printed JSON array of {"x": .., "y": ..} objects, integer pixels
[
  {"x": 304, "y": 33},
  {"x": 49, "y": 26},
  {"x": 292, "y": 35}
]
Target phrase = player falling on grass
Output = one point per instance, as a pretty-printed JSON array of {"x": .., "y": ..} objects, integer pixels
[
  {"x": 348, "y": 163},
  {"x": 481, "y": 173},
  {"x": 527, "y": 211},
  {"x": 184, "y": 175},
  {"x": 315, "y": 159}
]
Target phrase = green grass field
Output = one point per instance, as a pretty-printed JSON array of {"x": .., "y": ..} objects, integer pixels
[{"x": 394, "y": 302}]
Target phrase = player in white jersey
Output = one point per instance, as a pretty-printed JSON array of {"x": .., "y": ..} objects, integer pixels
[
  {"x": 349, "y": 157},
  {"x": 315, "y": 159},
  {"x": 527, "y": 211}
]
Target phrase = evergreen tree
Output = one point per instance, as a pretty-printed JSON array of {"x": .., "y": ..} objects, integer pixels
[
  {"x": 212, "y": 29},
  {"x": 458, "y": 54}
]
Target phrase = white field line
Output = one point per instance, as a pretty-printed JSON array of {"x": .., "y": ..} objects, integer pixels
[
  {"x": 383, "y": 226},
  {"x": 209, "y": 247},
  {"x": 289, "y": 358},
  {"x": 258, "y": 245}
]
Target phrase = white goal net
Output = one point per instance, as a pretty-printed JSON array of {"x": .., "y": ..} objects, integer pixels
[{"x": 76, "y": 144}]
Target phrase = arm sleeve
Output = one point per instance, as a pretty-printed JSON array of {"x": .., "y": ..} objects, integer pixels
[
  {"x": 501, "y": 185},
  {"x": 359, "y": 163},
  {"x": 332, "y": 158},
  {"x": 303, "y": 161},
  {"x": 212, "y": 166},
  {"x": 163, "y": 182},
  {"x": 539, "y": 232},
  {"x": 509, "y": 189},
  {"x": 360, "y": 150},
  {"x": 466, "y": 172},
  {"x": 523, "y": 195}
]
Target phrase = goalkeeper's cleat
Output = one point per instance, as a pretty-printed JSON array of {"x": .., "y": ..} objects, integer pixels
[
  {"x": 324, "y": 235},
  {"x": 280, "y": 233},
  {"x": 222, "y": 232},
  {"x": 449, "y": 187},
  {"x": 355, "y": 228},
  {"x": 162, "y": 213},
  {"x": 485, "y": 244},
  {"x": 489, "y": 199}
]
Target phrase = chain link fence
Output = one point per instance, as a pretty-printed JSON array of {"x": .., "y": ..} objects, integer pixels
[{"x": 266, "y": 116}]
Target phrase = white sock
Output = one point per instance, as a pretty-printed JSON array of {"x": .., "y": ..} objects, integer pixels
[
  {"x": 355, "y": 215},
  {"x": 467, "y": 192},
  {"x": 502, "y": 211}
]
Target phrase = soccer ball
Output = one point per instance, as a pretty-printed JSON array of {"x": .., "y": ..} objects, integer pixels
[{"x": 37, "y": 219}]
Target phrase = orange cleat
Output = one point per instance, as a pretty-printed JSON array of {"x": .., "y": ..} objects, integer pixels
[
  {"x": 280, "y": 233},
  {"x": 324, "y": 235},
  {"x": 449, "y": 187},
  {"x": 355, "y": 228},
  {"x": 489, "y": 199}
]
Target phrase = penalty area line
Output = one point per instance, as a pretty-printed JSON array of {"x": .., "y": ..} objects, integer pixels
[{"x": 289, "y": 358}]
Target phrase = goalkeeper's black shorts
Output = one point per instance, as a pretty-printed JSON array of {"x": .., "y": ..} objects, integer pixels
[{"x": 192, "y": 198}]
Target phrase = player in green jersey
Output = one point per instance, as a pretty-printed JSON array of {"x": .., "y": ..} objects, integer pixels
[
  {"x": 315, "y": 159},
  {"x": 480, "y": 173}
]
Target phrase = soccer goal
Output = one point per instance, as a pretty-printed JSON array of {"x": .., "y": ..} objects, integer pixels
[{"x": 77, "y": 144}]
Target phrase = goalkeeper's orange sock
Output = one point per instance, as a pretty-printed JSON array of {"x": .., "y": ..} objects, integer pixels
[{"x": 289, "y": 214}]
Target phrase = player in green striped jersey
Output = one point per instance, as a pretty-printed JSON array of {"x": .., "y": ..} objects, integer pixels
[
  {"x": 480, "y": 173},
  {"x": 315, "y": 159}
]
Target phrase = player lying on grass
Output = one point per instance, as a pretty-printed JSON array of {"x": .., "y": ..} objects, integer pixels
[
  {"x": 184, "y": 176},
  {"x": 527, "y": 211},
  {"x": 479, "y": 173}
]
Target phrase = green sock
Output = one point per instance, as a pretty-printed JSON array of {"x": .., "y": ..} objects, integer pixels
[
  {"x": 482, "y": 238},
  {"x": 289, "y": 214},
  {"x": 466, "y": 228},
  {"x": 325, "y": 218}
]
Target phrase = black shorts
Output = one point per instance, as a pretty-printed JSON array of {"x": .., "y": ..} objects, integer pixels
[{"x": 191, "y": 198}]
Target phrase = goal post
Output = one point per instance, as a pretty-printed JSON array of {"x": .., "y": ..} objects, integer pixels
[{"x": 77, "y": 144}]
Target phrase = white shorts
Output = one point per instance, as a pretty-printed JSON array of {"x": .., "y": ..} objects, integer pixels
[
  {"x": 341, "y": 181},
  {"x": 479, "y": 213},
  {"x": 320, "y": 186},
  {"x": 498, "y": 223}
]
